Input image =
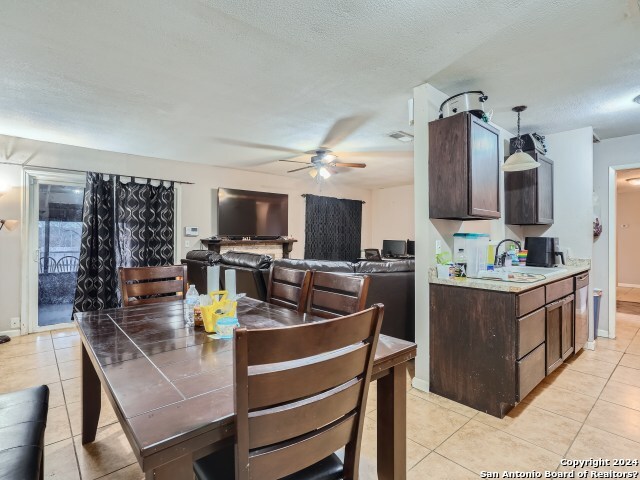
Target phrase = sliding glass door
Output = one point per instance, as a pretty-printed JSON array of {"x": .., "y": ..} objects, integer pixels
[{"x": 55, "y": 229}]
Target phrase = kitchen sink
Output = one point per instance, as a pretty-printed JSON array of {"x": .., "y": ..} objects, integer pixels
[{"x": 546, "y": 271}]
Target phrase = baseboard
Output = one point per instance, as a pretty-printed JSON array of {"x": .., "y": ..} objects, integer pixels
[
  {"x": 11, "y": 333},
  {"x": 590, "y": 345},
  {"x": 603, "y": 333},
  {"x": 629, "y": 285},
  {"x": 420, "y": 384}
]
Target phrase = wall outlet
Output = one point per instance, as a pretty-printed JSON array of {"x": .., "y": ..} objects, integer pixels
[
  {"x": 15, "y": 322},
  {"x": 438, "y": 247},
  {"x": 187, "y": 243}
]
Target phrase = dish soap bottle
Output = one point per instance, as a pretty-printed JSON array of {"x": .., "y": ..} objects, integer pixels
[{"x": 461, "y": 263}]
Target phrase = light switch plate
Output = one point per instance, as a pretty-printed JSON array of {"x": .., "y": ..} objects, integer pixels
[
  {"x": 438, "y": 247},
  {"x": 15, "y": 322},
  {"x": 187, "y": 243}
]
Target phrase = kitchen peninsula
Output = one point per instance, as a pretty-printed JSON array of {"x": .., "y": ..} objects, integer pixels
[{"x": 492, "y": 342}]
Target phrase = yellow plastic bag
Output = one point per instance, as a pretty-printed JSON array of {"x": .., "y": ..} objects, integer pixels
[{"x": 221, "y": 307}]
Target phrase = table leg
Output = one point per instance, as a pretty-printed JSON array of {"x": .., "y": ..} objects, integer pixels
[
  {"x": 180, "y": 468},
  {"x": 91, "y": 399},
  {"x": 392, "y": 424}
]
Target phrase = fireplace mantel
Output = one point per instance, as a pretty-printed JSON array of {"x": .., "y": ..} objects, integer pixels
[{"x": 279, "y": 248}]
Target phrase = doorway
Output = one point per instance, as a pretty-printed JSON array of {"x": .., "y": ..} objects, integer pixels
[
  {"x": 627, "y": 239},
  {"x": 54, "y": 233}
]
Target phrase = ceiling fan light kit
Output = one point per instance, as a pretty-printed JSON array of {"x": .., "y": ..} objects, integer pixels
[
  {"x": 519, "y": 161},
  {"x": 634, "y": 181}
]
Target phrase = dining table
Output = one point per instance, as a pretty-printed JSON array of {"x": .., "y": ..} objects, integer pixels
[{"x": 171, "y": 385}]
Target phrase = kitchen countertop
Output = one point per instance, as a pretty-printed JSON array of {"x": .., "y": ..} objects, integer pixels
[{"x": 509, "y": 287}]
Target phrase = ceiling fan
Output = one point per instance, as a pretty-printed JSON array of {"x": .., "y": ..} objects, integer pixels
[{"x": 323, "y": 163}]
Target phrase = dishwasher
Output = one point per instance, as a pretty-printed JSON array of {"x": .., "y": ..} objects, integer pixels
[{"x": 581, "y": 332}]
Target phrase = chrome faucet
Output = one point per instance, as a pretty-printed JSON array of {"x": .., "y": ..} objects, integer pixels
[{"x": 499, "y": 261}]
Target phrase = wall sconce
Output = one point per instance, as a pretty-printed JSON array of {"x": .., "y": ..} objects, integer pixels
[{"x": 10, "y": 224}]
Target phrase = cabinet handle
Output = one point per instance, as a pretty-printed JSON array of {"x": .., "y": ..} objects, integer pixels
[{"x": 582, "y": 277}]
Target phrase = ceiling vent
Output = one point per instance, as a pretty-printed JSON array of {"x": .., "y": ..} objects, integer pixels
[{"x": 402, "y": 136}]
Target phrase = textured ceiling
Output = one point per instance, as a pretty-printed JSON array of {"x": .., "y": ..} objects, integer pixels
[{"x": 244, "y": 83}]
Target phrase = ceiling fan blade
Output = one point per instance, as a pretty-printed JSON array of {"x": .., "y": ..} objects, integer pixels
[
  {"x": 261, "y": 146},
  {"x": 293, "y": 161},
  {"x": 343, "y": 128},
  {"x": 298, "y": 169},
  {"x": 348, "y": 165},
  {"x": 377, "y": 154}
]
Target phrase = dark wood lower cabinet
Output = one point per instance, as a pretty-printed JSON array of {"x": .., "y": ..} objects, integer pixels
[
  {"x": 554, "y": 335},
  {"x": 489, "y": 349}
]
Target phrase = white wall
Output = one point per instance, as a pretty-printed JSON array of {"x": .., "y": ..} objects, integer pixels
[
  {"x": 628, "y": 254},
  {"x": 572, "y": 154},
  {"x": 197, "y": 208},
  {"x": 392, "y": 215},
  {"x": 620, "y": 153}
]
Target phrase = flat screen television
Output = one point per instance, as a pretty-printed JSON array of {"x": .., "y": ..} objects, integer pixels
[{"x": 243, "y": 213}]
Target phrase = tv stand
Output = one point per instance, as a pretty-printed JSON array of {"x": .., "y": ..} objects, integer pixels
[{"x": 277, "y": 247}]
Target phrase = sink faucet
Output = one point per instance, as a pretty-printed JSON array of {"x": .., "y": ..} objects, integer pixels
[{"x": 499, "y": 261}]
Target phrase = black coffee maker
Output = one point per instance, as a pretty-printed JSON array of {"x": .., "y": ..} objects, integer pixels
[{"x": 542, "y": 251}]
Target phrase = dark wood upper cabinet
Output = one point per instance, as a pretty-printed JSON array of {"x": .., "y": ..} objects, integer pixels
[
  {"x": 464, "y": 181},
  {"x": 528, "y": 196}
]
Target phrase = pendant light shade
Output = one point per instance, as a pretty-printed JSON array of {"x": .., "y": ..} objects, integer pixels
[{"x": 519, "y": 160}]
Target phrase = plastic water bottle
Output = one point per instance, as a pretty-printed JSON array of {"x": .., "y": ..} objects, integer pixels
[{"x": 192, "y": 300}]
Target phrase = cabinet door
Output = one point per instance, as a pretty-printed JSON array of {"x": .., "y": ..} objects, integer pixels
[
  {"x": 581, "y": 315},
  {"x": 544, "y": 191},
  {"x": 554, "y": 335},
  {"x": 484, "y": 188},
  {"x": 568, "y": 308}
]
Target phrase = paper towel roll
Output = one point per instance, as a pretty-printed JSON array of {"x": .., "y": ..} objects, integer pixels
[
  {"x": 230, "y": 283},
  {"x": 213, "y": 278}
]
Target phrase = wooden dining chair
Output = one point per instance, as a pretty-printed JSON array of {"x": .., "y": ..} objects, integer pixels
[
  {"x": 333, "y": 295},
  {"x": 291, "y": 419},
  {"x": 144, "y": 285},
  {"x": 288, "y": 288}
]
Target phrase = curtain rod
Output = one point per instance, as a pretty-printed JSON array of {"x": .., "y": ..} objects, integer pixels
[
  {"x": 85, "y": 171},
  {"x": 305, "y": 195}
]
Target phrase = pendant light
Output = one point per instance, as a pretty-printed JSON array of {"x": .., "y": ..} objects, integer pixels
[{"x": 519, "y": 160}]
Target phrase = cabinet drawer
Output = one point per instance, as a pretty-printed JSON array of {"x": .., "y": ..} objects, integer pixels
[
  {"x": 530, "y": 332},
  {"x": 560, "y": 289},
  {"x": 582, "y": 280},
  {"x": 529, "y": 301},
  {"x": 531, "y": 371}
]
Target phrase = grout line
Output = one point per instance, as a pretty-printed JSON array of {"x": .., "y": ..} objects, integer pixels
[{"x": 146, "y": 356}]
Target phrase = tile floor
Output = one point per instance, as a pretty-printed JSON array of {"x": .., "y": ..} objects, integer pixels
[
  {"x": 628, "y": 294},
  {"x": 588, "y": 408}
]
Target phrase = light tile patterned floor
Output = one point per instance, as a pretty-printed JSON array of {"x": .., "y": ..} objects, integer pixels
[
  {"x": 628, "y": 294},
  {"x": 589, "y": 408}
]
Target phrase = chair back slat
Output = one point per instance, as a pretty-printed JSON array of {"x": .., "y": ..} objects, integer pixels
[
  {"x": 147, "y": 285},
  {"x": 288, "y": 288},
  {"x": 285, "y": 460},
  {"x": 333, "y": 295},
  {"x": 300, "y": 393},
  {"x": 283, "y": 345},
  {"x": 276, "y": 387},
  {"x": 295, "y": 419}
]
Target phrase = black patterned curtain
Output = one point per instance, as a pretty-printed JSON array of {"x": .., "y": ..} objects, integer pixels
[
  {"x": 124, "y": 225},
  {"x": 144, "y": 224},
  {"x": 332, "y": 228},
  {"x": 97, "y": 285}
]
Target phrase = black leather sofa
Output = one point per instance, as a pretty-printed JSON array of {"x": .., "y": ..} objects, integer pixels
[
  {"x": 197, "y": 262},
  {"x": 252, "y": 270},
  {"x": 391, "y": 283},
  {"x": 23, "y": 418}
]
